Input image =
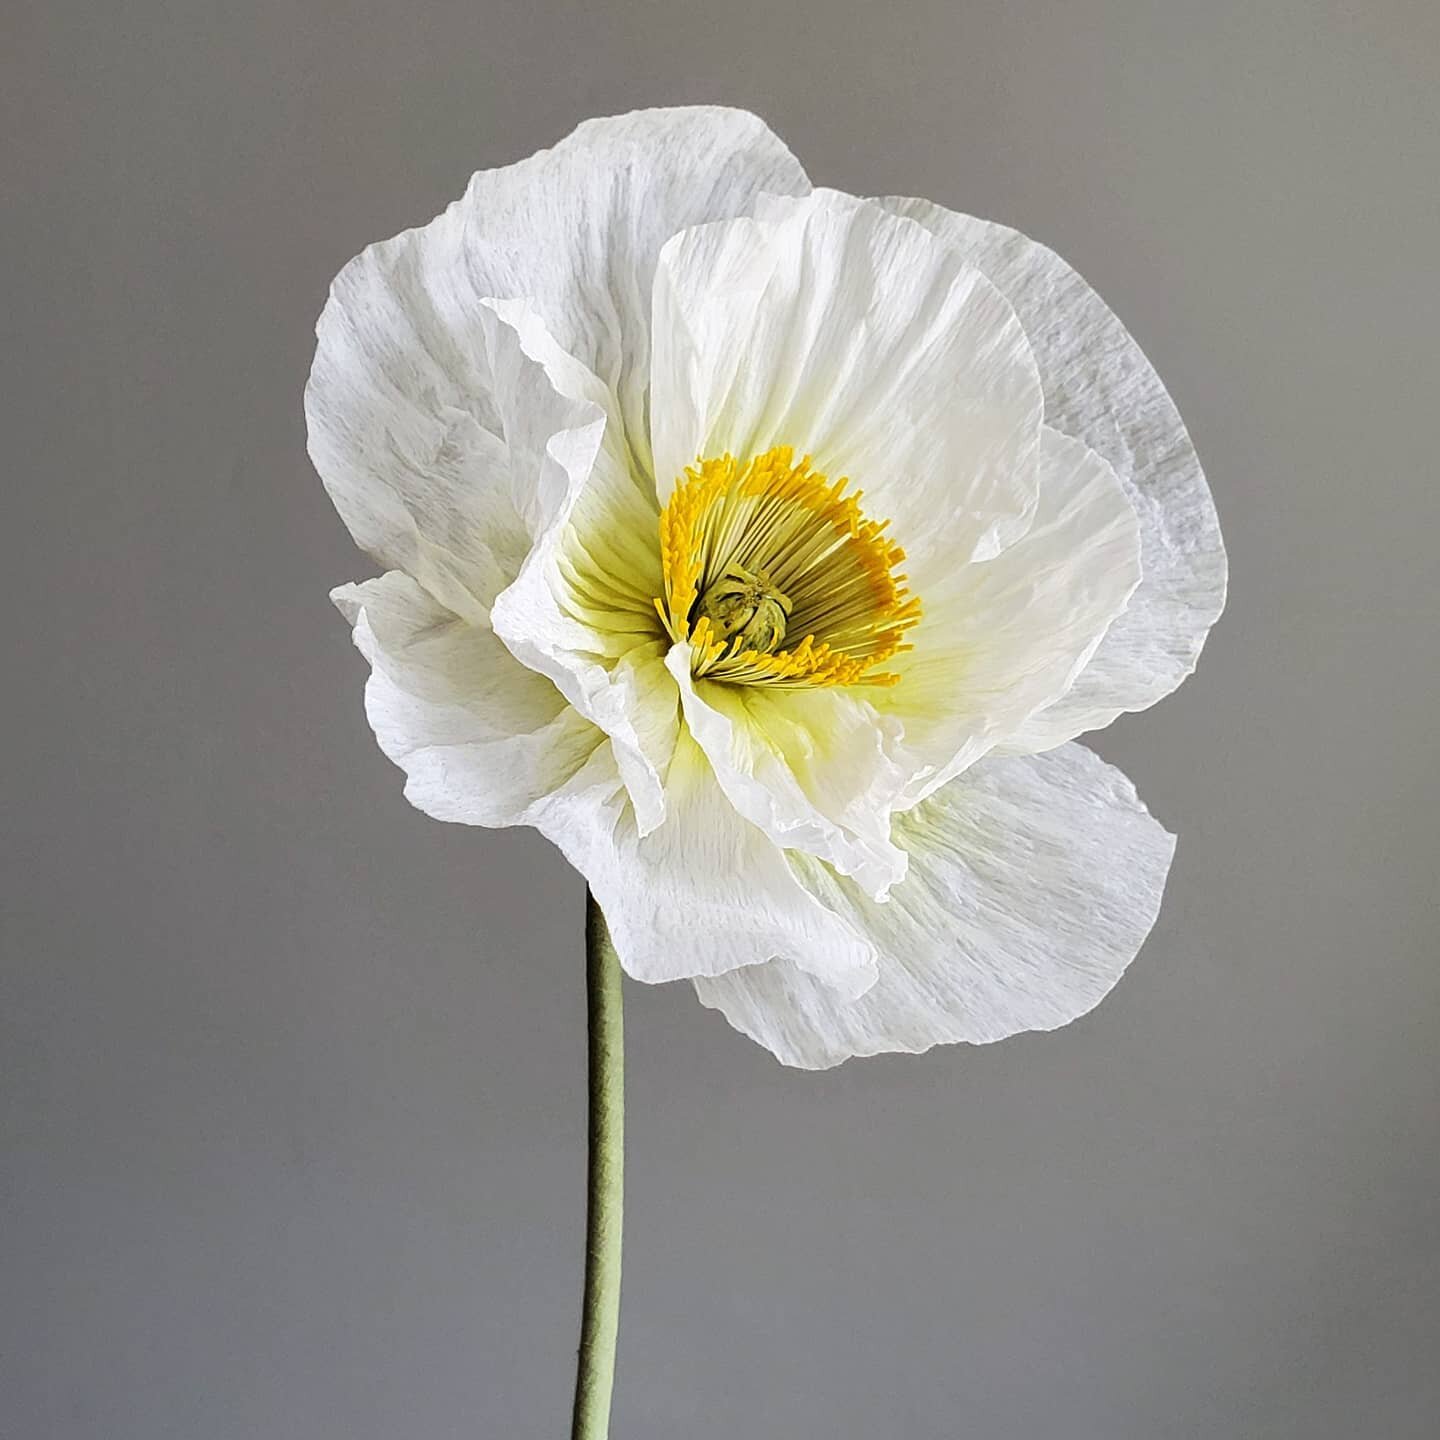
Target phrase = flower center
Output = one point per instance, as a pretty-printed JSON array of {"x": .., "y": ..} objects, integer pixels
[
  {"x": 757, "y": 550},
  {"x": 747, "y": 608}
]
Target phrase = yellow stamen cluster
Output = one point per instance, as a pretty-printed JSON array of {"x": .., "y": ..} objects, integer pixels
[{"x": 782, "y": 526}]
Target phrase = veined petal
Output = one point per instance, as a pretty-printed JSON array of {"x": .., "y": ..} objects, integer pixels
[
  {"x": 1002, "y": 638},
  {"x": 704, "y": 894},
  {"x": 813, "y": 769},
  {"x": 1100, "y": 388},
  {"x": 484, "y": 740},
  {"x": 1033, "y": 883},
  {"x": 404, "y": 423},
  {"x": 577, "y": 229},
  {"x": 861, "y": 340},
  {"x": 402, "y": 431},
  {"x": 480, "y": 737},
  {"x": 581, "y": 610}
]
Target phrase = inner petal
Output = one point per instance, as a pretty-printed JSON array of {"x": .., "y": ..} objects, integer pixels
[{"x": 776, "y": 576}]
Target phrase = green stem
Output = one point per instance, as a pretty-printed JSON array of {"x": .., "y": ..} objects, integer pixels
[{"x": 604, "y": 1220}]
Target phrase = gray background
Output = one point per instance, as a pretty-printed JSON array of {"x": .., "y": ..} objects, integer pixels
[{"x": 293, "y": 1106}]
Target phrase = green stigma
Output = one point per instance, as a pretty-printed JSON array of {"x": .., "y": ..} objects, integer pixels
[{"x": 746, "y": 607}]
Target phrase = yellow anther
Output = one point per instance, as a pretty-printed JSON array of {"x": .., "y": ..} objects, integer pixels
[{"x": 757, "y": 550}]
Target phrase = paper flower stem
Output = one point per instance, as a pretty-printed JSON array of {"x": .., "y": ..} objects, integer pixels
[{"x": 604, "y": 1221}]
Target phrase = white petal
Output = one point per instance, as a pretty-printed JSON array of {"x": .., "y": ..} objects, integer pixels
[
  {"x": 813, "y": 769},
  {"x": 581, "y": 610},
  {"x": 1102, "y": 390},
  {"x": 577, "y": 229},
  {"x": 404, "y": 425},
  {"x": 861, "y": 340},
  {"x": 403, "y": 435},
  {"x": 1033, "y": 882},
  {"x": 1001, "y": 638},
  {"x": 480, "y": 737},
  {"x": 703, "y": 894},
  {"x": 485, "y": 741}
]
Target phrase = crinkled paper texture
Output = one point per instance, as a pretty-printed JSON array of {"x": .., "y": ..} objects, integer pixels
[{"x": 500, "y": 404}]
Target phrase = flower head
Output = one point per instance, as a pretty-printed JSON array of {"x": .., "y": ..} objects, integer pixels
[{"x": 766, "y": 548}]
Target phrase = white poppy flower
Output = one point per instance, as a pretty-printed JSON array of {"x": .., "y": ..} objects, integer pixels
[{"x": 766, "y": 548}]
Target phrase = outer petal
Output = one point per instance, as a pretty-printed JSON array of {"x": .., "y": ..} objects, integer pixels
[
  {"x": 480, "y": 737},
  {"x": 813, "y": 769},
  {"x": 1033, "y": 882},
  {"x": 577, "y": 229},
  {"x": 404, "y": 425},
  {"x": 403, "y": 432},
  {"x": 860, "y": 339},
  {"x": 1101, "y": 389},
  {"x": 703, "y": 894},
  {"x": 1004, "y": 637},
  {"x": 581, "y": 609},
  {"x": 484, "y": 740}
]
